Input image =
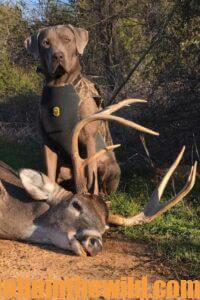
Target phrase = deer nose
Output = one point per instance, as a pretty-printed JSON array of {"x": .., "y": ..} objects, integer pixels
[{"x": 58, "y": 55}]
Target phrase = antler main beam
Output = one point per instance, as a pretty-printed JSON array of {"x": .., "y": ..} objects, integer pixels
[
  {"x": 154, "y": 208},
  {"x": 78, "y": 163}
]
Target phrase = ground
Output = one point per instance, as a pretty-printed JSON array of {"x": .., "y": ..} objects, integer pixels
[{"x": 119, "y": 258}]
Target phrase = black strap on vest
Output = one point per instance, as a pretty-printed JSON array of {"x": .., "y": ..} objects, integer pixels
[{"x": 59, "y": 114}]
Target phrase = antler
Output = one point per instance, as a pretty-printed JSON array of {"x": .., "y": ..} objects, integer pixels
[
  {"x": 78, "y": 162},
  {"x": 154, "y": 208}
]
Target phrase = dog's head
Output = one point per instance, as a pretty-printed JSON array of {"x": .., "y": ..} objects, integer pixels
[{"x": 58, "y": 48}]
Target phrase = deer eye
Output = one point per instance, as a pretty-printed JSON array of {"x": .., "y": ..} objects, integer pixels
[{"x": 77, "y": 206}]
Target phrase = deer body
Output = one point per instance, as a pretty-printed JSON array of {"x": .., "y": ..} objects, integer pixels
[
  {"x": 60, "y": 219},
  {"x": 18, "y": 211}
]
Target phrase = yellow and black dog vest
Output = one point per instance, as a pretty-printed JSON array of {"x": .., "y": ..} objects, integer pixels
[{"x": 59, "y": 115}]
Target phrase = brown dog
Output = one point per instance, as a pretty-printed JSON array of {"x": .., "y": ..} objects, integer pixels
[{"x": 58, "y": 48}]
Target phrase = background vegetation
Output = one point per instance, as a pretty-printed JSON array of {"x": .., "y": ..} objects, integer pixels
[{"x": 160, "y": 41}]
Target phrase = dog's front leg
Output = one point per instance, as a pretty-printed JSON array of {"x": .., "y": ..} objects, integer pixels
[{"x": 51, "y": 159}]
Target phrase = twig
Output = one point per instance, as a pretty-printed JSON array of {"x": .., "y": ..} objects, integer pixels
[
  {"x": 195, "y": 144},
  {"x": 142, "y": 138}
]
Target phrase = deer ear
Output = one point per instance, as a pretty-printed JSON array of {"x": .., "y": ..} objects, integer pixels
[
  {"x": 81, "y": 37},
  {"x": 38, "y": 185},
  {"x": 3, "y": 192}
]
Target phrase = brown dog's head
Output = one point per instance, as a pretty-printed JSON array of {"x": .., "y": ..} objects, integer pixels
[{"x": 58, "y": 48}]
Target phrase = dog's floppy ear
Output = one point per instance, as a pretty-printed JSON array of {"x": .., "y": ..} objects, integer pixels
[
  {"x": 81, "y": 36},
  {"x": 31, "y": 44}
]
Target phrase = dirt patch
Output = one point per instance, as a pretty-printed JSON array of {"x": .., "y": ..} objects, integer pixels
[{"x": 119, "y": 258}]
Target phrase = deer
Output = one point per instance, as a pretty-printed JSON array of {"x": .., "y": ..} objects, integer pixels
[{"x": 35, "y": 209}]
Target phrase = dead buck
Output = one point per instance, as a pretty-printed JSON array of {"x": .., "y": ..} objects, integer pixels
[{"x": 72, "y": 222}]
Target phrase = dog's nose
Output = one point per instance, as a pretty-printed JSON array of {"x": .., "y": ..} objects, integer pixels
[{"x": 58, "y": 56}]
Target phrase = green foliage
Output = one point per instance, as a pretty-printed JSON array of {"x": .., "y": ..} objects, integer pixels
[
  {"x": 15, "y": 80},
  {"x": 13, "y": 30},
  {"x": 53, "y": 12},
  {"x": 16, "y": 75}
]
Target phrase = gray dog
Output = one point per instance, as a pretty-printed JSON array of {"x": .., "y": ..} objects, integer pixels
[{"x": 67, "y": 98}]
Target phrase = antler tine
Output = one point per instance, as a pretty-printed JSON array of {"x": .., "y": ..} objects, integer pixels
[
  {"x": 98, "y": 154},
  {"x": 114, "y": 107},
  {"x": 154, "y": 209},
  {"x": 186, "y": 189},
  {"x": 157, "y": 194},
  {"x": 162, "y": 207},
  {"x": 103, "y": 115}
]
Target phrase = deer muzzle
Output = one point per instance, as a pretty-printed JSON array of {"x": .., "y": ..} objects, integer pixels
[{"x": 91, "y": 244}]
